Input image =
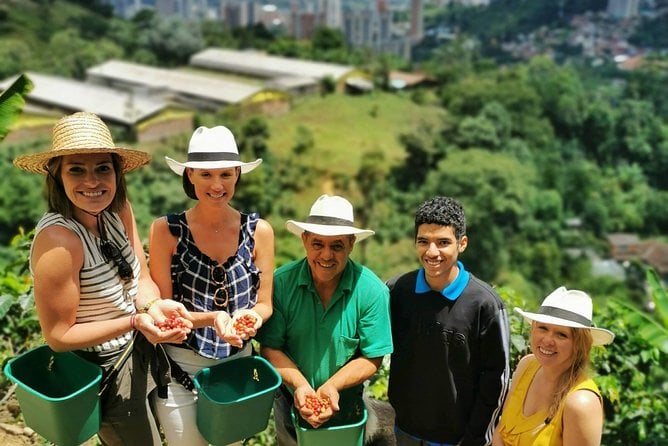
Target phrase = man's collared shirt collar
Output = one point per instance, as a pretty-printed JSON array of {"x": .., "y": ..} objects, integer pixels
[{"x": 450, "y": 292}]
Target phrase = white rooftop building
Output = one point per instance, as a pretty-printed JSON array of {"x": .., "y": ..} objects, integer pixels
[
  {"x": 261, "y": 65},
  {"x": 56, "y": 93},
  {"x": 197, "y": 90}
]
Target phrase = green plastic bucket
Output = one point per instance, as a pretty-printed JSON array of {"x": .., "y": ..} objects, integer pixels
[
  {"x": 58, "y": 394},
  {"x": 235, "y": 398},
  {"x": 344, "y": 429}
]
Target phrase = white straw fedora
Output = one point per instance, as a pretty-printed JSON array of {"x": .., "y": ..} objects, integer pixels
[
  {"x": 330, "y": 215},
  {"x": 212, "y": 148},
  {"x": 569, "y": 308},
  {"x": 81, "y": 133}
]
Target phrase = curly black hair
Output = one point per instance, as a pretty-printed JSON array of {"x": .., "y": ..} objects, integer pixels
[{"x": 444, "y": 211}]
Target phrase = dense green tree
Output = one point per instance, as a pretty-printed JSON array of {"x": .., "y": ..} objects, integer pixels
[
  {"x": 15, "y": 57},
  {"x": 124, "y": 33},
  {"x": 216, "y": 34},
  {"x": 452, "y": 61},
  {"x": 498, "y": 115},
  {"x": 477, "y": 132},
  {"x": 561, "y": 92},
  {"x": 261, "y": 187},
  {"x": 656, "y": 213},
  {"x": 289, "y": 47},
  {"x": 495, "y": 190},
  {"x": 255, "y": 36},
  {"x": 545, "y": 218},
  {"x": 650, "y": 83},
  {"x": 656, "y": 169},
  {"x": 327, "y": 39},
  {"x": 652, "y": 32},
  {"x": 170, "y": 39},
  {"x": 636, "y": 130},
  {"x": 370, "y": 181},
  {"x": 69, "y": 54},
  {"x": 421, "y": 157},
  {"x": 598, "y": 131}
]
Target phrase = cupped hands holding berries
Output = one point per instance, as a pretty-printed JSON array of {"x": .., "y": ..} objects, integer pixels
[
  {"x": 171, "y": 323},
  {"x": 316, "y": 407},
  {"x": 164, "y": 320},
  {"x": 241, "y": 326}
]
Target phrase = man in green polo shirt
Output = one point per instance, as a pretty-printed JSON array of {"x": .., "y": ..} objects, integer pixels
[{"x": 331, "y": 324}]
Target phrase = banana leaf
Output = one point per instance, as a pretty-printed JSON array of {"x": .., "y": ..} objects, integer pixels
[
  {"x": 659, "y": 296},
  {"x": 643, "y": 325},
  {"x": 12, "y": 101}
]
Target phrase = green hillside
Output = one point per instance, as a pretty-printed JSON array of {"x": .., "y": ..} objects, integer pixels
[{"x": 344, "y": 128}]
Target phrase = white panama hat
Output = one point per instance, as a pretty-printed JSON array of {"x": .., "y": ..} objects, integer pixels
[
  {"x": 212, "y": 148},
  {"x": 569, "y": 308},
  {"x": 330, "y": 215}
]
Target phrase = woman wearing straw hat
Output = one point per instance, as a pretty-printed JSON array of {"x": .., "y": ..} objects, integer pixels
[
  {"x": 552, "y": 401},
  {"x": 90, "y": 272},
  {"x": 218, "y": 262}
]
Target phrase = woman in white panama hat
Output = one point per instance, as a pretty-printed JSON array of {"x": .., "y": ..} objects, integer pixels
[
  {"x": 218, "y": 262},
  {"x": 552, "y": 400},
  {"x": 90, "y": 273}
]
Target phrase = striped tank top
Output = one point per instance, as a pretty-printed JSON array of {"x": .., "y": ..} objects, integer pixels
[{"x": 103, "y": 294}]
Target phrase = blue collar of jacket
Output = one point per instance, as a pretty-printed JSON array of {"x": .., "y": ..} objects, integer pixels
[{"x": 450, "y": 292}]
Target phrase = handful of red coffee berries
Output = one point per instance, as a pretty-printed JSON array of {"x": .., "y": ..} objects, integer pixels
[
  {"x": 170, "y": 323},
  {"x": 316, "y": 404},
  {"x": 243, "y": 323}
]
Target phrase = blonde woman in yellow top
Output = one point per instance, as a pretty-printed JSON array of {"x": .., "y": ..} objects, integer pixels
[{"x": 552, "y": 401}]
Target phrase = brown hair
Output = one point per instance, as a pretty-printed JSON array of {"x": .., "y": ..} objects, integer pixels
[{"x": 57, "y": 198}]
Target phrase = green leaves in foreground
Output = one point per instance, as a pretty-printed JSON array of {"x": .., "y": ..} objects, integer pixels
[
  {"x": 651, "y": 327},
  {"x": 12, "y": 101},
  {"x": 659, "y": 296},
  {"x": 644, "y": 325}
]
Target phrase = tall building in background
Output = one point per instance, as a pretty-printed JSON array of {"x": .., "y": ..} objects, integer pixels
[
  {"x": 368, "y": 25},
  {"x": 191, "y": 10},
  {"x": 238, "y": 13},
  {"x": 333, "y": 11},
  {"x": 364, "y": 23},
  {"x": 623, "y": 9},
  {"x": 417, "y": 21},
  {"x": 307, "y": 15},
  {"x": 127, "y": 8},
  {"x": 302, "y": 19}
]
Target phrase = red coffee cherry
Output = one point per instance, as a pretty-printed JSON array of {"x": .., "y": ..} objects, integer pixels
[
  {"x": 170, "y": 323},
  {"x": 316, "y": 404},
  {"x": 244, "y": 323}
]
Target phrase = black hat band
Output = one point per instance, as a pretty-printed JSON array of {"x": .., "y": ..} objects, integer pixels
[
  {"x": 213, "y": 156},
  {"x": 564, "y": 314},
  {"x": 322, "y": 220}
]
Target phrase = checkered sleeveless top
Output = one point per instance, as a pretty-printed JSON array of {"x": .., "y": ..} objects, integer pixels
[{"x": 193, "y": 284}]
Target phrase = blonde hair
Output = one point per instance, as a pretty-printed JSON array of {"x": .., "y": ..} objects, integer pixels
[{"x": 578, "y": 370}]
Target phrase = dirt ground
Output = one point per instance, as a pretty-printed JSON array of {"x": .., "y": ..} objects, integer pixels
[{"x": 13, "y": 432}]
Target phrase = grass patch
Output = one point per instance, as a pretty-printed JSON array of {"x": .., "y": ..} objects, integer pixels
[{"x": 344, "y": 127}]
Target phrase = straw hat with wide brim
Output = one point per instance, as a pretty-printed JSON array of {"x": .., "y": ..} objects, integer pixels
[
  {"x": 79, "y": 134},
  {"x": 330, "y": 215},
  {"x": 212, "y": 148},
  {"x": 569, "y": 308}
]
